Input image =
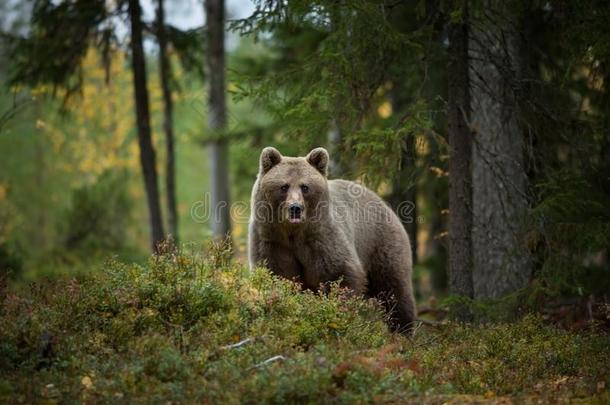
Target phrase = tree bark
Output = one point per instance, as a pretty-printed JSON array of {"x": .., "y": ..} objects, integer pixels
[
  {"x": 334, "y": 134},
  {"x": 168, "y": 124},
  {"x": 501, "y": 264},
  {"x": 460, "y": 145},
  {"x": 404, "y": 192},
  {"x": 147, "y": 151},
  {"x": 404, "y": 189},
  {"x": 334, "y": 150},
  {"x": 219, "y": 162}
]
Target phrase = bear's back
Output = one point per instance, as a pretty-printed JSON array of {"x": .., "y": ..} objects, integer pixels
[{"x": 365, "y": 219}]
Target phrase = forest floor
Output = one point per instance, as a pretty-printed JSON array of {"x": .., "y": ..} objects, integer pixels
[{"x": 188, "y": 330}]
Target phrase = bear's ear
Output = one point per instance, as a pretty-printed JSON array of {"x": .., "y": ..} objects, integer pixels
[
  {"x": 269, "y": 158},
  {"x": 318, "y": 158}
]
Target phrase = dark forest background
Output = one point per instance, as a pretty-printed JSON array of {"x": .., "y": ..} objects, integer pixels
[{"x": 119, "y": 131}]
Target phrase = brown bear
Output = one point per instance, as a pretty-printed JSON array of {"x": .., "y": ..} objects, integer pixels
[{"x": 313, "y": 230}]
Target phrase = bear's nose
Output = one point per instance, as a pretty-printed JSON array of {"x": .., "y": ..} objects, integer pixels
[{"x": 295, "y": 210}]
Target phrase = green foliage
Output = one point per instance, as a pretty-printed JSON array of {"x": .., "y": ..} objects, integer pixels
[
  {"x": 65, "y": 29},
  {"x": 569, "y": 231},
  {"x": 187, "y": 47},
  {"x": 330, "y": 64},
  {"x": 379, "y": 150},
  {"x": 99, "y": 214},
  {"x": 167, "y": 331},
  {"x": 512, "y": 358}
]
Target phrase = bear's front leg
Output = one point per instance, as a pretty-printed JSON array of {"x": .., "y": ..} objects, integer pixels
[
  {"x": 323, "y": 265},
  {"x": 280, "y": 261}
]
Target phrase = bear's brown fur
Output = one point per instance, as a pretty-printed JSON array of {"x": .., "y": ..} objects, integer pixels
[{"x": 313, "y": 230}]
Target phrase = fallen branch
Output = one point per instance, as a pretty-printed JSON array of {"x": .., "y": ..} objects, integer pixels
[
  {"x": 238, "y": 344},
  {"x": 269, "y": 360}
]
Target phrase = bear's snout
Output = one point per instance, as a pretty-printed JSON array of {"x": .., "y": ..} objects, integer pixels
[{"x": 294, "y": 212}]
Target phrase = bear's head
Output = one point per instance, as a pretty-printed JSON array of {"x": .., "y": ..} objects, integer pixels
[{"x": 295, "y": 189}]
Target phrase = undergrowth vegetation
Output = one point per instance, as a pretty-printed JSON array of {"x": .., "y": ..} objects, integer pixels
[{"x": 185, "y": 329}]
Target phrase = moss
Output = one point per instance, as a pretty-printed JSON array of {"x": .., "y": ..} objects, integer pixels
[{"x": 163, "y": 332}]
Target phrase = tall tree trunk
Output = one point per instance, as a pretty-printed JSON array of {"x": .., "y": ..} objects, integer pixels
[
  {"x": 460, "y": 145},
  {"x": 499, "y": 180},
  {"x": 334, "y": 149},
  {"x": 147, "y": 151},
  {"x": 219, "y": 163},
  {"x": 334, "y": 134},
  {"x": 404, "y": 191},
  {"x": 168, "y": 124}
]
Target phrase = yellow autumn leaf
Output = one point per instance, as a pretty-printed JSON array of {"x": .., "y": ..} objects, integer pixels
[
  {"x": 87, "y": 382},
  {"x": 232, "y": 87},
  {"x": 385, "y": 109}
]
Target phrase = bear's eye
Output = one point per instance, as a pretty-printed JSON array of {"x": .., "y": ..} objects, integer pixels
[
  {"x": 284, "y": 188},
  {"x": 304, "y": 189}
]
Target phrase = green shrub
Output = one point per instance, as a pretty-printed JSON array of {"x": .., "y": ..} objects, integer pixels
[
  {"x": 99, "y": 214},
  {"x": 167, "y": 331}
]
